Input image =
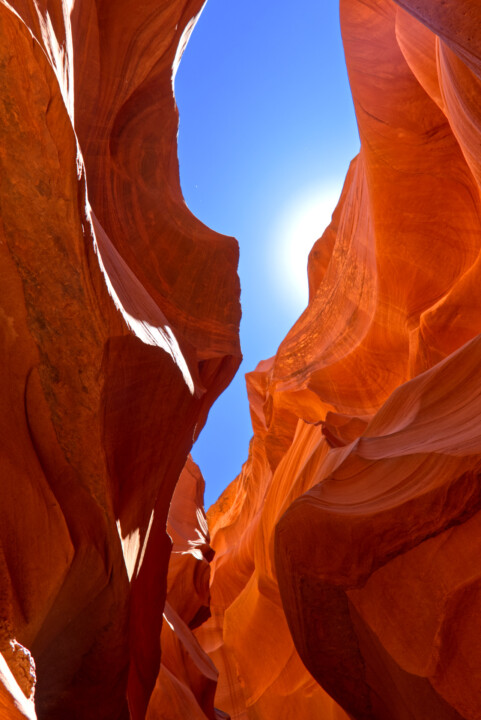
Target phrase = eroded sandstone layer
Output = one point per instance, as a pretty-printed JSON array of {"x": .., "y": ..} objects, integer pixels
[
  {"x": 346, "y": 580},
  {"x": 351, "y": 538},
  {"x": 119, "y": 319}
]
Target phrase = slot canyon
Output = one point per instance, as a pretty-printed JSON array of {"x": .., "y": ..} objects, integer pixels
[{"x": 337, "y": 577}]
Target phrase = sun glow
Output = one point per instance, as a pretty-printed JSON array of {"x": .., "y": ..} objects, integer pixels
[{"x": 302, "y": 223}]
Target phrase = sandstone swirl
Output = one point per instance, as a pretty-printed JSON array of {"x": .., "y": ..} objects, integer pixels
[
  {"x": 346, "y": 581},
  {"x": 119, "y": 326},
  {"x": 350, "y": 539}
]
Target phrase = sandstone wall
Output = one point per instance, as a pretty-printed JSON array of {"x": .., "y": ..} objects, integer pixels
[
  {"x": 345, "y": 580},
  {"x": 119, "y": 320},
  {"x": 350, "y": 539}
]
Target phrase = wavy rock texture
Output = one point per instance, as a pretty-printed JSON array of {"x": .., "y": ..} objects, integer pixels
[
  {"x": 351, "y": 538},
  {"x": 186, "y": 683},
  {"x": 349, "y": 544},
  {"x": 119, "y": 326}
]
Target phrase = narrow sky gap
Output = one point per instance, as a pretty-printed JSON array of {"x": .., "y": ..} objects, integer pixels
[{"x": 267, "y": 131}]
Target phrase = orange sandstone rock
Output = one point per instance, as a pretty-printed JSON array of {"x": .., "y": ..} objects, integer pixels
[
  {"x": 356, "y": 516},
  {"x": 119, "y": 317},
  {"x": 186, "y": 683},
  {"x": 345, "y": 582}
]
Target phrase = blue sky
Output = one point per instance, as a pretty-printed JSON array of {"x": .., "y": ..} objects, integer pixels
[{"x": 267, "y": 131}]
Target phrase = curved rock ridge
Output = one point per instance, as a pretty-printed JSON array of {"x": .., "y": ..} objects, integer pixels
[
  {"x": 346, "y": 581},
  {"x": 119, "y": 327},
  {"x": 186, "y": 683},
  {"x": 348, "y": 544}
]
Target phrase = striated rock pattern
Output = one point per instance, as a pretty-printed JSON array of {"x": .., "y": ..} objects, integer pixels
[
  {"x": 186, "y": 683},
  {"x": 346, "y": 582},
  {"x": 351, "y": 538},
  {"x": 119, "y": 321}
]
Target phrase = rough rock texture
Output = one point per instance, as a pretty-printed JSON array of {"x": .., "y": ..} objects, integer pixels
[
  {"x": 353, "y": 532},
  {"x": 119, "y": 321}
]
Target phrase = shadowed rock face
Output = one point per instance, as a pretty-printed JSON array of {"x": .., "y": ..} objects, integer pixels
[
  {"x": 186, "y": 683},
  {"x": 119, "y": 326},
  {"x": 350, "y": 539}
]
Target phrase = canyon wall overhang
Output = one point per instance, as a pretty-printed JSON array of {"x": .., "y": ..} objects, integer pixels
[{"x": 119, "y": 327}]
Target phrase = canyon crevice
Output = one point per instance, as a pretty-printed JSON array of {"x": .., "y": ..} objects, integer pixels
[{"x": 337, "y": 577}]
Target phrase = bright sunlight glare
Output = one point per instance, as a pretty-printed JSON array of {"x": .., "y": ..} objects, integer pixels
[{"x": 301, "y": 224}]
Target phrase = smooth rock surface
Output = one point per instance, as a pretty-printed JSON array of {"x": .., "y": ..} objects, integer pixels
[
  {"x": 186, "y": 683},
  {"x": 119, "y": 327},
  {"x": 346, "y": 581},
  {"x": 356, "y": 517}
]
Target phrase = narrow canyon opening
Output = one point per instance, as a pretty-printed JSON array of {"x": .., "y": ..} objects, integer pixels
[
  {"x": 267, "y": 131},
  {"x": 338, "y": 575}
]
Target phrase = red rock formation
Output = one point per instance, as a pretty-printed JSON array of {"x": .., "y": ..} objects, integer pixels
[
  {"x": 186, "y": 683},
  {"x": 119, "y": 316},
  {"x": 349, "y": 543},
  {"x": 357, "y": 516}
]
